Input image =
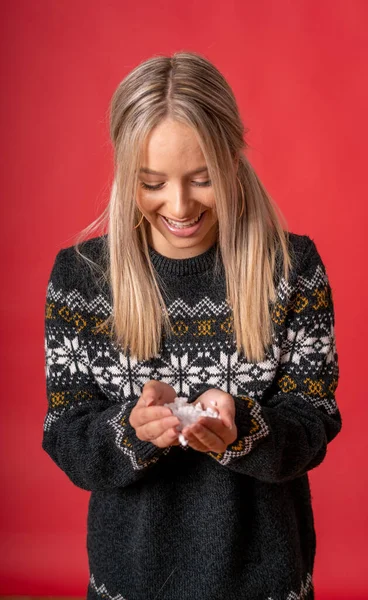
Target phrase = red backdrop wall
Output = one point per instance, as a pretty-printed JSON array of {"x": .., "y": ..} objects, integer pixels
[{"x": 299, "y": 72}]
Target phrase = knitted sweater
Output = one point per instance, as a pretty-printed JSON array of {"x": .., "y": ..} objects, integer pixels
[{"x": 174, "y": 523}]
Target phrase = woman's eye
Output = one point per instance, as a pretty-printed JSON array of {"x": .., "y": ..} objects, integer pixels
[
  {"x": 150, "y": 187},
  {"x": 157, "y": 187},
  {"x": 202, "y": 183}
]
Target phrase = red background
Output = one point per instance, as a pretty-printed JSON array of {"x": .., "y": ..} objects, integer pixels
[{"x": 299, "y": 72}]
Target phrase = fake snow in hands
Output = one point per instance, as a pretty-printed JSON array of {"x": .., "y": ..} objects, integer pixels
[{"x": 189, "y": 413}]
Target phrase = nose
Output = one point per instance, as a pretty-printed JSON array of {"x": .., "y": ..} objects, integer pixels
[{"x": 179, "y": 207}]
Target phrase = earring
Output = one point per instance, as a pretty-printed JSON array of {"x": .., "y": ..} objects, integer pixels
[
  {"x": 135, "y": 227},
  {"x": 242, "y": 191}
]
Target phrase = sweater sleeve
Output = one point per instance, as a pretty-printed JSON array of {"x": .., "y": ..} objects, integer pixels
[
  {"x": 286, "y": 434},
  {"x": 86, "y": 433}
]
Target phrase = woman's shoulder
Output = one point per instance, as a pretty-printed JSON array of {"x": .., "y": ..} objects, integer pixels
[
  {"x": 296, "y": 245},
  {"x": 298, "y": 242},
  {"x": 304, "y": 252},
  {"x": 80, "y": 269},
  {"x": 308, "y": 254},
  {"x": 93, "y": 248}
]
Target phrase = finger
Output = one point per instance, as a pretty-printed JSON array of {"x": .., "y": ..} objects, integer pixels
[
  {"x": 151, "y": 413},
  {"x": 169, "y": 438},
  {"x": 226, "y": 416},
  {"x": 224, "y": 407},
  {"x": 227, "y": 419},
  {"x": 154, "y": 429},
  {"x": 159, "y": 390},
  {"x": 195, "y": 443},
  {"x": 208, "y": 438},
  {"x": 149, "y": 400},
  {"x": 218, "y": 426},
  {"x": 150, "y": 393}
]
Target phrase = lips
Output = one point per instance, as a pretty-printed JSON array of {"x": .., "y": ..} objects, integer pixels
[{"x": 185, "y": 230}]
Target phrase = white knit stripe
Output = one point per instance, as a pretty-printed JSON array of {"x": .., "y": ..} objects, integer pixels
[
  {"x": 305, "y": 588},
  {"x": 102, "y": 591}
]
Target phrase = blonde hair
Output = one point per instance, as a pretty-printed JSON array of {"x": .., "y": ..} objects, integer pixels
[{"x": 187, "y": 88}]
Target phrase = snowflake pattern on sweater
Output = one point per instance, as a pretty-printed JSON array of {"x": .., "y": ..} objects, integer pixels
[{"x": 286, "y": 414}]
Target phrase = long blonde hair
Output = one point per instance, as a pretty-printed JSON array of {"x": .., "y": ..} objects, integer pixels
[{"x": 187, "y": 88}]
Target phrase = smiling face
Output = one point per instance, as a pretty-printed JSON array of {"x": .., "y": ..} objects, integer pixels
[{"x": 179, "y": 190}]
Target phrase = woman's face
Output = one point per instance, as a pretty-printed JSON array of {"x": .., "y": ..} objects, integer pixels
[{"x": 173, "y": 190}]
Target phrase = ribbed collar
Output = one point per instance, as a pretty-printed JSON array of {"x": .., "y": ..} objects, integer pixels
[{"x": 183, "y": 266}]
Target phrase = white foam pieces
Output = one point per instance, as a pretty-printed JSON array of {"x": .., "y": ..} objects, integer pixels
[{"x": 189, "y": 413}]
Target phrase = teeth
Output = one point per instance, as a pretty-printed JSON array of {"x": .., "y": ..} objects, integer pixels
[{"x": 182, "y": 226}]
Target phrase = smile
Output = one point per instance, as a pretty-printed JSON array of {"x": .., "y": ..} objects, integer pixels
[{"x": 179, "y": 225}]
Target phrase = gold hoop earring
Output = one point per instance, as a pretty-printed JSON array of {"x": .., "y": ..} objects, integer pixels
[
  {"x": 243, "y": 201},
  {"x": 135, "y": 227}
]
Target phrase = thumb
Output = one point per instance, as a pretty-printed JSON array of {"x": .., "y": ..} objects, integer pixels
[
  {"x": 149, "y": 392},
  {"x": 148, "y": 397},
  {"x": 160, "y": 391},
  {"x": 149, "y": 401}
]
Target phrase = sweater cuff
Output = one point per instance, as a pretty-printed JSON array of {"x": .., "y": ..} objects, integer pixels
[
  {"x": 145, "y": 452},
  {"x": 245, "y": 422}
]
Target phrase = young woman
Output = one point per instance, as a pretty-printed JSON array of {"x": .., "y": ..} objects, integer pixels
[{"x": 193, "y": 289}]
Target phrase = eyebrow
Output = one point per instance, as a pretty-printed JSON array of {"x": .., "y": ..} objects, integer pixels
[{"x": 151, "y": 172}]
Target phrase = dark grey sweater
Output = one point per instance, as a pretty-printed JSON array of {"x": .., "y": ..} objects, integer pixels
[{"x": 174, "y": 523}]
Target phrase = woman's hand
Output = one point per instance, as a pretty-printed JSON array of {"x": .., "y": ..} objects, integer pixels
[
  {"x": 152, "y": 421},
  {"x": 211, "y": 434}
]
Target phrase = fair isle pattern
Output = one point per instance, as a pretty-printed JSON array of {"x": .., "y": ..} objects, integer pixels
[
  {"x": 76, "y": 302},
  {"x": 310, "y": 343},
  {"x": 69, "y": 357},
  {"x": 121, "y": 376},
  {"x": 305, "y": 589},
  {"x": 119, "y": 425},
  {"x": 315, "y": 284},
  {"x": 307, "y": 349},
  {"x": 243, "y": 445},
  {"x": 298, "y": 347}
]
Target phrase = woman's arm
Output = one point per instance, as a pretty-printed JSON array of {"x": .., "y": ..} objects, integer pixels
[
  {"x": 87, "y": 434},
  {"x": 287, "y": 435}
]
